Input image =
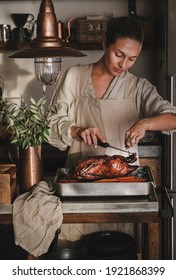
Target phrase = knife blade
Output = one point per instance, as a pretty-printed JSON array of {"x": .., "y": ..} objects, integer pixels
[{"x": 107, "y": 145}]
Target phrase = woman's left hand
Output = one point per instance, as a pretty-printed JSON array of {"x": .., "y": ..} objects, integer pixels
[{"x": 135, "y": 133}]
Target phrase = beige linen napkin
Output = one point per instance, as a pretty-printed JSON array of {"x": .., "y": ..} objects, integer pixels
[{"x": 37, "y": 215}]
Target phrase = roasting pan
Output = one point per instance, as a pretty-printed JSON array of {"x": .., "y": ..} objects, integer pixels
[{"x": 107, "y": 189}]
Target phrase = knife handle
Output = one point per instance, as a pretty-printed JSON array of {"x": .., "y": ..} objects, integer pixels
[{"x": 103, "y": 144}]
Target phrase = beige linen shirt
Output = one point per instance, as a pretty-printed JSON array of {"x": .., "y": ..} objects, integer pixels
[{"x": 127, "y": 99}]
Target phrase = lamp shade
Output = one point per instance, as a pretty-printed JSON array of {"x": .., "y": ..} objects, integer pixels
[{"x": 47, "y": 52}]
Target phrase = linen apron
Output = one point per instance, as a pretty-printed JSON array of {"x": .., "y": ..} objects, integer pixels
[{"x": 113, "y": 115}]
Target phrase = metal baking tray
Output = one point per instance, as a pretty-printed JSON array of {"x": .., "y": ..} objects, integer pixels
[{"x": 94, "y": 189}]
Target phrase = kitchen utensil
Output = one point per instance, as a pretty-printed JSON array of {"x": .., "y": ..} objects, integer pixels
[
  {"x": 5, "y": 32},
  {"x": 20, "y": 19},
  {"x": 69, "y": 30},
  {"x": 94, "y": 189},
  {"x": 61, "y": 30},
  {"x": 107, "y": 145},
  {"x": 110, "y": 245},
  {"x": 22, "y": 33},
  {"x": 67, "y": 254}
]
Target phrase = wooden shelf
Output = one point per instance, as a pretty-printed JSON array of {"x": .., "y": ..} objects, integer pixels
[
  {"x": 79, "y": 46},
  {"x": 9, "y": 46},
  {"x": 6, "y": 46}
]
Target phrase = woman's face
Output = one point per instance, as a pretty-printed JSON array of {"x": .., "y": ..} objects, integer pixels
[{"x": 121, "y": 55}]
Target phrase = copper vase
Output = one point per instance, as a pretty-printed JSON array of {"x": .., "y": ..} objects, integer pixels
[{"x": 30, "y": 168}]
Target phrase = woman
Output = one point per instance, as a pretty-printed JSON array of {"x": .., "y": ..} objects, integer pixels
[{"x": 104, "y": 102}]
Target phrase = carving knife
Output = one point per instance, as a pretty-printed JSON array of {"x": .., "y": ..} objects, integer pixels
[{"x": 107, "y": 145}]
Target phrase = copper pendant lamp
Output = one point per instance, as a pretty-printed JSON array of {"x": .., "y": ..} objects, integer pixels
[{"x": 47, "y": 48}]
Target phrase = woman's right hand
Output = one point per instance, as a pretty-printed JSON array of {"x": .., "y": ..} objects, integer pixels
[{"x": 90, "y": 135}]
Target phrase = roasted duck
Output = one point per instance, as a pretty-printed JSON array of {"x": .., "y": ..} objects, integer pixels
[{"x": 102, "y": 167}]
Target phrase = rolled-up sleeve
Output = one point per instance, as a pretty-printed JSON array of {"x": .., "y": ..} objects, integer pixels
[
  {"x": 61, "y": 123},
  {"x": 150, "y": 103}
]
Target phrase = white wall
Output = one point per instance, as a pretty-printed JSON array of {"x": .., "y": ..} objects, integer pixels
[{"x": 19, "y": 73}]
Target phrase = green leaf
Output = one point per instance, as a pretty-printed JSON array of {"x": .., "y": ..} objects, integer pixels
[{"x": 33, "y": 101}]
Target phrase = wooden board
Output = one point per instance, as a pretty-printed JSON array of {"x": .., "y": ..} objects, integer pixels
[{"x": 7, "y": 183}]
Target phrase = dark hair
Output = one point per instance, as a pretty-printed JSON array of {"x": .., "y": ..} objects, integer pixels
[{"x": 123, "y": 27}]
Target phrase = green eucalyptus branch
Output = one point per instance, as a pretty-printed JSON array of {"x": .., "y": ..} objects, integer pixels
[
  {"x": 30, "y": 126},
  {"x": 5, "y": 111}
]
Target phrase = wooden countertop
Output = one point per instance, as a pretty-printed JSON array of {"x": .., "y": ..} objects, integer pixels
[
  {"x": 148, "y": 220},
  {"x": 105, "y": 212}
]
